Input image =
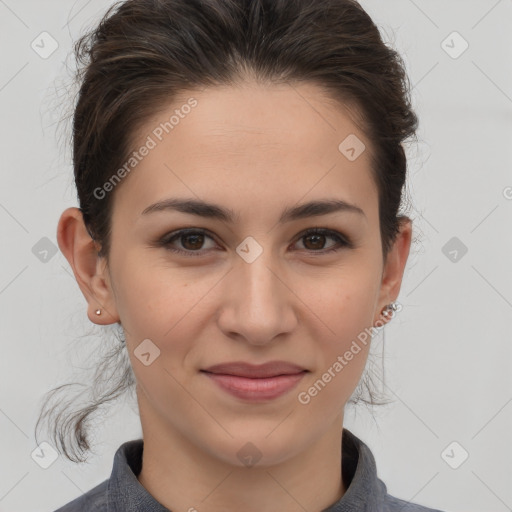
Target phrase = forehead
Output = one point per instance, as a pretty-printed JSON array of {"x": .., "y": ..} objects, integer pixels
[
  {"x": 298, "y": 117},
  {"x": 273, "y": 142}
]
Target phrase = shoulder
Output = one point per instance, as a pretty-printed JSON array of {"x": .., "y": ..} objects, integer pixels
[
  {"x": 393, "y": 504},
  {"x": 93, "y": 500}
]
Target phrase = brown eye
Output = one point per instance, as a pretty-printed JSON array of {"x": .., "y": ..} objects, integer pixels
[
  {"x": 191, "y": 241},
  {"x": 315, "y": 240}
]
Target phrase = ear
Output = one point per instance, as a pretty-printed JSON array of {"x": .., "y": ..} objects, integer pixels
[
  {"x": 394, "y": 267},
  {"x": 90, "y": 270}
]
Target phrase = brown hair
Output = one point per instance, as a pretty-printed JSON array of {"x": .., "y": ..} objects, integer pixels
[{"x": 144, "y": 53}]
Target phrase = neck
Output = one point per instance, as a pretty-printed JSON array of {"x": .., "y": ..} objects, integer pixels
[{"x": 182, "y": 476}]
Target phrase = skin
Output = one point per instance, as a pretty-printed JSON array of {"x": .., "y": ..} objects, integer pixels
[{"x": 254, "y": 149}]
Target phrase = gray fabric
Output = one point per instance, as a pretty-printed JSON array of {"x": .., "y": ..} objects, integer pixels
[{"x": 122, "y": 492}]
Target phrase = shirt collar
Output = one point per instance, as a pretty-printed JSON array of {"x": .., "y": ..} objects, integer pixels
[{"x": 364, "y": 491}]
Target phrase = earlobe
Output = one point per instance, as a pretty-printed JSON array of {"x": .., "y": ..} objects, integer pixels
[{"x": 81, "y": 251}]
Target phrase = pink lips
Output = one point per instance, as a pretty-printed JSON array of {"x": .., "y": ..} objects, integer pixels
[{"x": 256, "y": 382}]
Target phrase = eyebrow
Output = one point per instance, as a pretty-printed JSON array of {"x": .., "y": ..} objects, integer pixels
[{"x": 213, "y": 211}]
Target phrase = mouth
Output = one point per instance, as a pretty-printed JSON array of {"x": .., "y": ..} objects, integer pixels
[
  {"x": 262, "y": 371},
  {"x": 256, "y": 383}
]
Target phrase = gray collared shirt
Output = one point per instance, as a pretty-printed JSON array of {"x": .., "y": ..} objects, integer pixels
[{"x": 122, "y": 492}]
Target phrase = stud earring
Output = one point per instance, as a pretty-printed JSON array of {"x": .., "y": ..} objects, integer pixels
[
  {"x": 98, "y": 311},
  {"x": 389, "y": 310}
]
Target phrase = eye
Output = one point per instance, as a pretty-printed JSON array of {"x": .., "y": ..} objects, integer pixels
[
  {"x": 192, "y": 241},
  {"x": 315, "y": 240}
]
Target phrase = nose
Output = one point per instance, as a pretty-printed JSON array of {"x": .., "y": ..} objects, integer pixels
[{"x": 257, "y": 302}]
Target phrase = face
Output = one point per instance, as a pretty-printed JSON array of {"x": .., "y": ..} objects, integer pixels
[{"x": 248, "y": 286}]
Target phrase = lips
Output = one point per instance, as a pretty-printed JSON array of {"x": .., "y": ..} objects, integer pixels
[{"x": 243, "y": 369}]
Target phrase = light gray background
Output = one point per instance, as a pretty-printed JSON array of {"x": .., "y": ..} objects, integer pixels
[{"x": 448, "y": 353}]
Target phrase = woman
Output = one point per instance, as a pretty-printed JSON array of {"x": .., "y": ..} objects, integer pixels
[{"x": 239, "y": 167}]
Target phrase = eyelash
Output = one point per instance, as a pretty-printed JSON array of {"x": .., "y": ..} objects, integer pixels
[{"x": 342, "y": 240}]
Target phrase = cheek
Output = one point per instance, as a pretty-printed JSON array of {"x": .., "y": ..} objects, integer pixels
[
  {"x": 346, "y": 310},
  {"x": 326, "y": 393},
  {"x": 344, "y": 304},
  {"x": 341, "y": 357},
  {"x": 155, "y": 300}
]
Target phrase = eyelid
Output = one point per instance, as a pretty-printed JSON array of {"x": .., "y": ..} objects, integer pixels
[
  {"x": 343, "y": 241},
  {"x": 333, "y": 233},
  {"x": 166, "y": 240}
]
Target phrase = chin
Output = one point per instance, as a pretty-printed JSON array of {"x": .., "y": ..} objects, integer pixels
[{"x": 256, "y": 448}]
